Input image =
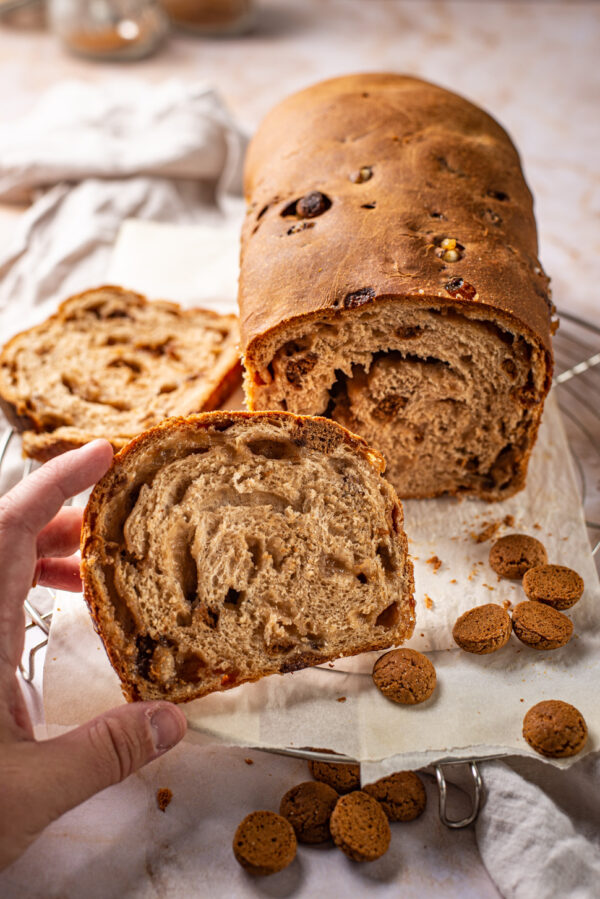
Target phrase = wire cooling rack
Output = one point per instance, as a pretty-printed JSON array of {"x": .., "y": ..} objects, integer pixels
[{"x": 577, "y": 383}]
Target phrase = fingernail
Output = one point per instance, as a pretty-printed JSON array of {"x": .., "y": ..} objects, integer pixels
[{"x": 167, "y": 727}]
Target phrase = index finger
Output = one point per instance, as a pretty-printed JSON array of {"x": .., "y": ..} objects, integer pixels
[{"x": 33, "y": 502}]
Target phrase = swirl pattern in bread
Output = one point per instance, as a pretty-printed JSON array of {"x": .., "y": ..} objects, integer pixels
[{"x": 228, "y": 546}]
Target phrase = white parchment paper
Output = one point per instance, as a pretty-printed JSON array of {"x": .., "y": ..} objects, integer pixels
[{"x": 479, "y": 703}]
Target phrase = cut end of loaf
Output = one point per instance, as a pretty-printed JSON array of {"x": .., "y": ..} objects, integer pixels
[
  {"x": 228, "y": 546},
  {"x": 451, "y": 396}
]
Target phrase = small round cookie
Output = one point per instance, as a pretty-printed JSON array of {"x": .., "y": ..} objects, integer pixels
[
  {"x": 308, "y": 807},
  {"x": 405, "y": 676},
  {"x": 555, "y": 585},
  {"x": 513, "y": 555},
  {"x": 342, "y": 777},
  {"x": 359, "y": 827},
  {"x": 401, "y": 795},
  {"x": 555, "y": 729},
  {"x": 540, "y": 626},
  {"x": 483, "y": 629},
  {"x": 264, "y": 843}
]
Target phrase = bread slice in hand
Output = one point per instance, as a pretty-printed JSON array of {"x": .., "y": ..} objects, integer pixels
[
  {"x": 111, "y": 364},
  {"x": 227, "y": 546}
]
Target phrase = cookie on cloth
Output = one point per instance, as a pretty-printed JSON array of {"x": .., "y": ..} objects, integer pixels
[
  {"x": 359, "y": 827},
  {"x": 264, "y": 843},
  {"x": 401, "y": 795}
]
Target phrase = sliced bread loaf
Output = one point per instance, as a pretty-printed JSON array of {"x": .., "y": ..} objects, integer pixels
[
  {"x": 226, "y": 546},
  {"x": 389, "y": 280},
  {"x": 110, "y": 364}
]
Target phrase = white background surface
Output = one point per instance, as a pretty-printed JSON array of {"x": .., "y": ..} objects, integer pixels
[{"x": 534, "y": 65}]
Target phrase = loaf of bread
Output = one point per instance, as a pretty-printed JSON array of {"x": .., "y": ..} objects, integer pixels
[
  {"x": 226, "y": 546},
  {"x": 110, "y": 364},
  {"x": 390, "y": 281}
]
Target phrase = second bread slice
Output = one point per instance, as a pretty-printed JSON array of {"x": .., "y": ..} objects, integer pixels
[
  {"x": 228, "y": 546},
  {"x": 111, "y": 364}
]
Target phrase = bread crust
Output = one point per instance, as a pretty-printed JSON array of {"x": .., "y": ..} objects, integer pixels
[
  {"x": 313, "y": 432},
  {"x": 46, "y": 440},
  {"x": 440, "y": 168}
]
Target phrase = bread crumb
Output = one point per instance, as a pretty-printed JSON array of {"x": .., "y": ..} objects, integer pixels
[
  {"x": 506, "y": 603},
  {"x": 163, "y": 797},
  {"x": 537, "y": 526},
  {"x": 249, "y": 761},
  {"x": 341, "y": 699},
  {"x": 453, "y": 581},
  {"x": 487, "y": 533},
  {"x": 488, "y": 586},
  {"x": 521, "y": 700},
  {"x": 428, "y": 602},
  {"x": 509, "y": 521},
  {"x": 435, "y": 563}
]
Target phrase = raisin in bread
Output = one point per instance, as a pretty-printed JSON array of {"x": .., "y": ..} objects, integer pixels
[
  {"x": 227, "y": 546},
  {"x": 110, "y": 364},
  {"x": 390, "y": 281}
]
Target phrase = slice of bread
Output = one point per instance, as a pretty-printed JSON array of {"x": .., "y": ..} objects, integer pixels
[
  {"x": 111, "y": 364},
  {"x": 227, "y": 546}
]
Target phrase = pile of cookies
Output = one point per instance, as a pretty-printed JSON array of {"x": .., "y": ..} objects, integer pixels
[
  {"x": 539, "y": 621},
  {"x": 553, "y": 728},
  {"x": 331, "y": 807}
]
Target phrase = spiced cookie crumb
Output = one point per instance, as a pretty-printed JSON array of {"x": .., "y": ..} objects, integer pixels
[
  {"x": 308, "y": 807},
  {"x": 401, "y": 795},
  {"x": 249, "y": 761},
  {"x": 555, "y": 585},
  {"x": 359, "y": 827},
  {"x": 513, "y": 555},
  {"x": 555, "y": 729},
  {"x": 487, "y": 532},
  {"x": 163, "y": 797},
  {"x": 483, "y": 629},
  {"x": 541, "y": 626},
  {"x": 264, "y": 843},
  {"x": 404, "y": 676}
]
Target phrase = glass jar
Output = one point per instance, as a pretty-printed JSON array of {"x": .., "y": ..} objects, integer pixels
[
  {"x": 109, "y": 29},
  {"x": 212, "y": 18}
]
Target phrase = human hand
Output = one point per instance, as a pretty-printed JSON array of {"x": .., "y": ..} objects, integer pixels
[{"x": 42, "y": 780}]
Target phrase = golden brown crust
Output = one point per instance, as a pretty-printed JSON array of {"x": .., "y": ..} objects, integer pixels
[
  {"x": 317, "y": 433},
  {"x": 47, "y": 433},
  {"x": 431, "y": 151}
]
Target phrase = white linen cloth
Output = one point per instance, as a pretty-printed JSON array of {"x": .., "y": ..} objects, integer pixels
[
  {"x": 162, "y": 153},
  {"x": 92, "y": 156}
]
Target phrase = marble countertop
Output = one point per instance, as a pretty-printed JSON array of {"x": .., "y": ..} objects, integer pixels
[{"x": 532, "y": 64}]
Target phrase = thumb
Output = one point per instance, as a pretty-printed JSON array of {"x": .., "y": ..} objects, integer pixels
[{"x": 105, "y": 751}]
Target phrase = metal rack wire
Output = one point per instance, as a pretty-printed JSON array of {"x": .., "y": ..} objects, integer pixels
[{"x": 577, "y": 379}]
